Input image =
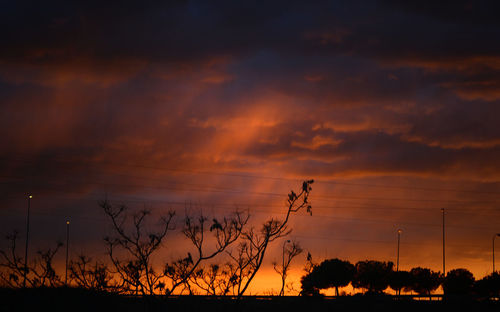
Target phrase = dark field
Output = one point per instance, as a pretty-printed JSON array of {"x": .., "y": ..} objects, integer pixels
[{"x": 82, "y": 300}]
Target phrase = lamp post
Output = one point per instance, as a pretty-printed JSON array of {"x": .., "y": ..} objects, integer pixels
[
  {"x": 67, "y": 253},
  {"x": 399, "y": 238},
  {"x": 493, "y": 254},
  {"x": 444, "y": 267},
  {"x": 27, "y": 241}
]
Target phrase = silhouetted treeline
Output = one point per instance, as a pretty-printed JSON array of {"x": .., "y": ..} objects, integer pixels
[
  {"x": 225, "y": 254},
  {"x": 374, "y": 277}
]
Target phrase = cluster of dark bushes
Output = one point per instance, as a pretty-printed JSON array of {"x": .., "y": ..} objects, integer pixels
[{"x": 376, "y": 276}]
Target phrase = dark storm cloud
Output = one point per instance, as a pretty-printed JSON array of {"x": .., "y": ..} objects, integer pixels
[
  {"x": 190, "y": 29},
  {"x": 172, "y": 31},
  {"x": 377, "y": 152},
  {"x": 102, "y": 77},
  {"x": 398, "y": 78}
]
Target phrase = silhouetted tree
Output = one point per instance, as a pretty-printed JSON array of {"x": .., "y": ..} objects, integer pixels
[
  {"x": 12, "y": 266},
  {"x": 224, "y": 232},
  {"x": 40, "y": 272},
  {"x": 374, "y": 276},
  {"x": 309, "y": 266},
  {"x": 290, "y": 251},
  {"x": 458, "y": 282},
  {"x": 94, "y": 276},
  {"x": 306, "y": 282},
  {"x": 250, "y": 253},
  {"x": 135, "y": 272},
  {"x": 43, "y": 271},
  {"x": 216, "y": 280},
  {"x": 330, "y": 273},
  {"x": 400, "y": 280},
  {"x": 308, "y": 285},
  {"x": 488, "y": 286},
  {"x": 424, "y": 281},
  {"x": 179, "y": 272}
]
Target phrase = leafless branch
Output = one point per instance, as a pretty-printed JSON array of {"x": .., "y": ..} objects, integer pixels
[{"x": 136, "y": 273}]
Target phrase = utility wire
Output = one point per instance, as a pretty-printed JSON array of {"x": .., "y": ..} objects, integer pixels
[
  {"x": 315, "y": 216},
  {"x": 272, "y": 194},
  {"x": 253, "y": 176}
]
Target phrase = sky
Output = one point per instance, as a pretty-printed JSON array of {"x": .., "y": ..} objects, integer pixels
[{"x": 206, "y": 107}]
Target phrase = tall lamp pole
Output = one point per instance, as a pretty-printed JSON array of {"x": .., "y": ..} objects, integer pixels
[
  {"x": 67, "y": 253},
  {"x": 399, "y": 238},
  {"x": 493, "y": 254},
  {"x": 444, "y": 267},
  {"x": 27, "y": 241}
]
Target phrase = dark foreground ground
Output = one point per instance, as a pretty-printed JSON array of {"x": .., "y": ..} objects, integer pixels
[{"x": 82, "y": 300}]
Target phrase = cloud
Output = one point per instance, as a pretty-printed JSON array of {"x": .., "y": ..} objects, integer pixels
[{"x": 192, "y": 101}]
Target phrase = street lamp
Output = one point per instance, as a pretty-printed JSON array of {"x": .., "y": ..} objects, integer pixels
[
  {"x": 67, "y": 253},
  {"x": 399, "y": 238},
  {"x": 444, "y": 267},
  {"x": 498, "y": 234},
  {"x": 27, "y": 241}
]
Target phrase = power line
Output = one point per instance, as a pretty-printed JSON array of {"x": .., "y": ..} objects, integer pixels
[
  {"x": 315, "y": 216},
  {"x": 360, "y": 206},
  {"x": 236, "y": 191},
  {"x": 390, "y": 242},
  {"x": 252, "y": 176},
  {"x": 301, "y": 236}
]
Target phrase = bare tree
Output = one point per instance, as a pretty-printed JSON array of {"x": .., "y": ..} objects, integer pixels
[
  {"x": 91, "y": 276},
  {"x": 12, "y": 265},
  {"x": 43, "y": 271},
  {"x": 216, "y": 280},
  {"x": 39, "y": 273},
  {"x": 290, "y": 251},
  {"x": 136, "y": 272},
  {"x": 179, "y": 272},
  {"x": 310, "y": 264},
  {"x": 250, "y": 253},
  {"x": 224, "y": 232}
]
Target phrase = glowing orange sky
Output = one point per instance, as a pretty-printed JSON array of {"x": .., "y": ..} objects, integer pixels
[{"x": 394, "y": 111}]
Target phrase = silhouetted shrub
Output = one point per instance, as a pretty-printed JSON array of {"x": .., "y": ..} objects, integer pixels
[
  {"x": 488, "y": 286},
  {"x": 424, "y": 281},
  {"x": 373, "y": 275},
  {"x": 400, "y": 280},
  {"x": 38, "y": 272},
  {"x": 330, "y": 273},
  {"x": 93, "y": 276},
  {"x": 458, "y": 282}
]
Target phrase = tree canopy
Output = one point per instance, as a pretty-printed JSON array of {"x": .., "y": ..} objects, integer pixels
[
  {"x": 424, "y": 281},
  {"x": 330, "y": 273},
  {"x": 458, "y": 282},
  {"x": 374, "y": 276},
  {"x": 400, "y": 280}
]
